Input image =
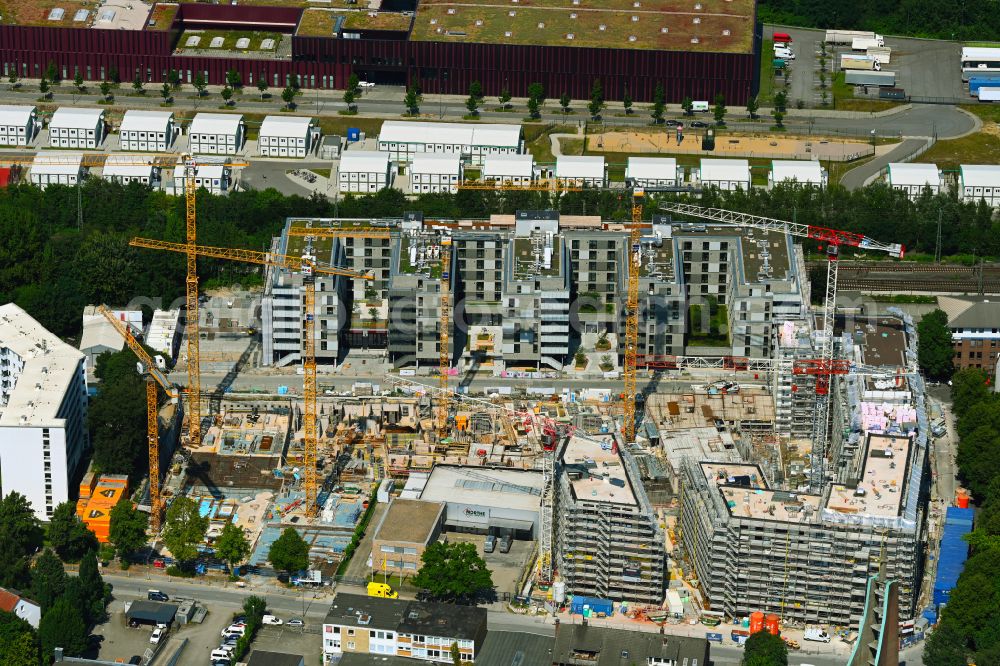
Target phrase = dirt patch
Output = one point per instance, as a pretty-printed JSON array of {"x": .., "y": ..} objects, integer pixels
[
  {"x": 730, "y": 145},
  {"x": 991, "y": 128}
]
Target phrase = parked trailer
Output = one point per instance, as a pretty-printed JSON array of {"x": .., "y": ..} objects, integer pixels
[
  {"x": 897, "y": 94},
  {"x": 856, "y": 78},
  {"x": 989, "y": 94},
  {"x": 977, "y": 82},
  {"x": 848, "y": 36},
  {"x": 865, "y": 43},
  {"x": 853, "y": 61},
  {"x": 881, "y": 54}
]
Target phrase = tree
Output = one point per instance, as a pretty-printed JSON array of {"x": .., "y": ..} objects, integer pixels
[
  {"x": 504, "y": 98},
  {"x": 113, "y": 75},
  {"x": 137, "y": 85},
  {"x": 227, "y": 94},
  {"x": 349, "y": 99},
  {"x": 262, "y": 87},
  {"x": 765, "y": 649},
  {"x": 752, "y": 106},
  {"x": 455, "y": 653},
  {"x": 94, "y": 591},
  {"x": 13, "y": 79},
  {"x": 165, "y": 92},
  {"x": 934, "y": 349},
  {"x": 778, "y": 117},
  {"x": 533, "y": 107},
  {"x": 536, "y": 91},
  {"x": 293, "y": 82},
  {"x": 476, "y": 92},
  {"x": 945, "y": 647},
  {"x": 106, "y": 90},
  {"x": 564, "y": 102},
  {"x": 288, "y": 96},
  {"x": 18, "y": 641},
  {"x": 781, "y": 101},
  {"x": 968, "y": 387},
  {"x": 688, "y": 105},
  {"x": 720, "y": 109},
  {"x": 200, "y": 84},
  {"x": 627, "y": 103},
  {"x": 411, "y": 100},
  {"x": 232, "y": 546},
  {"x": 48, "y": 579},
  {"x": 62, "y": 626},
  {"x": 233, "y": 79},
  {"x": 52, "y": 73},
  {"x": 128, "y": 528},
  {"x": 354, "y": 84},
  {"x": 472, "y": 104},
  {"x": 78, "y": 80},
  {"x": 659, "y": 104},
  {"x": 68, "y": 535},
  {"x": 184, "y": 529},
  {"x": 454, "y": 573},
  {"x": 254, "y": 607},
  {"x": 289, "y": 552},
  {"x": 596, "y": 104},
  {"x": 43, "y": 87},
  {"x": 20, "y": 537},
  {"x": 174, "y": 79}
]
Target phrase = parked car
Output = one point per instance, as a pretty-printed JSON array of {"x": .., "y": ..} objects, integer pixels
[
  {"x": 366, "y": 84},
  {"x": 699, "y": 124},
  {"x": 220, "y": 653},
  {"x": 272, "y": 620},
  {"x": 157, "y": 635},
  {"x": 136, "y": 659},
  {"x": 295, "y": 622},
  {"x": 237, "y": 629},
  {"x": 156, "y": 595},
  {"x": 505, "y": 543},
  {"x": 670, "y": 122},
  {"x": 490, "y": 544}
]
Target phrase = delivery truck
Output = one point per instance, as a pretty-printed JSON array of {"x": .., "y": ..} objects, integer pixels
[
  {"x": 865, "y": 43},
  {"x": 977, "y": 82},
  {"x": 987, "y": 94},
  {"x": 848, "y": 36},
  {"x": 854, "y": 61}
]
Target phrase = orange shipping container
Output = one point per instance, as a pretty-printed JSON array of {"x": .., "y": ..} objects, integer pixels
[{"x": 95, "y": 511}]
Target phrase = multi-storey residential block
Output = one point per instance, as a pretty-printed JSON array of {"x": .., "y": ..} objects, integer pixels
[
  {"x": 913, "y": 178},
  {"x": 435, "y": 173},
  {"x": 364, "y": 171},
  {"x": 217, "y": 134},
  {"x": 18, "y": 125},
  {"x": 506, "y": 169},
  {"x": 800, "y": 172},
  {"x": 147, "y": 130},
  {"x": 975, "y": 182},
  {"x": 127, "y": 169},
  {"x": 472, "y": 142},
  {"x": 652, "y": 172},
  {"x": 76, "y": 128},
  {"x": 50, "y": 167},
  {"x": 287, "y": 136},
  {"x": 725, "y": 174},
  {"x": 216, "y": 178},
  {"x": 582, "y": 170},
  {"x": 608, "y": 542},
  {"x": 975, "y": 331}
]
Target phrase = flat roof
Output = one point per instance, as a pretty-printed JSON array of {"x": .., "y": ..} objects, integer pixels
[
  {"x": 151, "y": 611},
  {"x": 880, "y": 490},
  {"x": 980, "y": 175},
  {"x": 57, "y": 162},
  {"x": 127, "y": 165},
  {"x": 882, "y": 340},
  {"x": 506, "y": 166},
  {"x": 216, "y": 123},
  {"x": 294, "y": 126},
  {"x": 980, "y": 53},
  {"x": 15, "y": 114},
  {"x": 716, "y": 169},
  {"x": 466, "y": 134},
  {"x": 808, "y": 172},
  {"x": 445, "y": 620},
  {"x": 602, "y": 475},
  {"x": 781, "y": 505},
  {"x": 661, "y": 25},
  {"x": 363, "y": 161},
  {"x": 211, "y": 171},
  {"x": 510, "y": 648},
  {"x": 734, "y": 474},
  {"x": 76, "y": 117},
  {"x": 359, "y": 610},
  {"x": 651, "y": 167},
  {"x": 908, "y": 173},
  {"x": 412, "y": 521},
  {"x": 487, "y": 486},
  {"x": 268, "y": 658},
  {"x": 436, "y": 163},
  {"x": 136, "y": 120},
  {"x": 580, "y": 166},
  {"x": 699, "y": 409}
]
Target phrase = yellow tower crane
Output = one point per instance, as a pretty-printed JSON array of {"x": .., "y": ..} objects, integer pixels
[
  {"x": 306, "y": 265},
  {"x": 153, "y": 377},
  {"x": 632, "y": 313},
  {"x": 444, "y": 364}
]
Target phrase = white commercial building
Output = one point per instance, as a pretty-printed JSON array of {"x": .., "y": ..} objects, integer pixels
[
  {"x": 18, "y": 125},
  {"x": 287, "y": 136},
  {"x": 76, "y": 128},
  {"x": 913, "y": 178},
  {"x": 213, "y": 177},
  {"x": 725, "y": 174},
  {"x": 216, "y": 134},
  {"x": 435, "y": 173},
  {"x": 979, "y": 181},
  {"x": 127, "y": 169},
  {"x": 402, "y": 139},
  {"x": 50, "y": 167},
  {"x": 587, "y": 170},
  {"x": 163, "y": 335},
  {"x": 652, "y": 172},
  {"x": 100, "y": 336},
  {"x": 800, "y": 172},
  {"x": 43, "y": 412},
  {"x": 151, "y": 131},
  {"x": 509, "y": 169},
  {"x": 364, "y": 171}
]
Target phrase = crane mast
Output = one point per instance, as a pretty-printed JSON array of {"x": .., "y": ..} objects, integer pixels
[
  {"x": 444, "y": 357},
  {"x": 632, "y": 313},
  {"x": 191, "y": 292}
]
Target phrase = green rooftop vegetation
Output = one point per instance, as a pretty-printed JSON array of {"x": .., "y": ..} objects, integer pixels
[
  {"x": 320, "y": 22},
  {"x": 162, "y": 16},
  {"x": 524, "y": 257}
]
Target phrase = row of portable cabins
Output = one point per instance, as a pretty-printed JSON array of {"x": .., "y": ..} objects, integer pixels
[{"x": 975, "y": 181}]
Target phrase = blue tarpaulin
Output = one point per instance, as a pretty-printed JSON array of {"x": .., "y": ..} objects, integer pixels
[
  {"x": 591, "y": 604},
  {"x": 954, "y": 552}
]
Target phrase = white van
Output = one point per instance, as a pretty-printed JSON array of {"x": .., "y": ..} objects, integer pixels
[
  {"x": 699, "y": 106},
  {"x": 784, "y": 54}
]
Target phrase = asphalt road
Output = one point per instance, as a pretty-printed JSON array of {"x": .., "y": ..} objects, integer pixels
[{"x": 857, "y": 177}]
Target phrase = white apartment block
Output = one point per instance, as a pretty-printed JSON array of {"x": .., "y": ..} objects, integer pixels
[
  {"x": 516, "y": 170},
  {"x": 18, "y": 125},
  {"x": 76, "y": 128},
  {"x": 217, "y": 134},
  {"x": 56, "y": 167},
  {"x": 364, "y": 171},
  {"x": 725, "y": 174},
  {"x": 150, "y": 131},
  {"x": 282, "y": 136},
  {"x": 652, "y": 172},
  {"x": 588, "y": 170},
  {"x": 913, "y": 178},
  {"x": 979, "y": 182},
  {"x": 216, "y": 178},
  {"x": 43, "y": 412},
  {"x": 474, "y": 142},
  {"x": 435, "y": 173},
  {"x": 127, "y": 169}
]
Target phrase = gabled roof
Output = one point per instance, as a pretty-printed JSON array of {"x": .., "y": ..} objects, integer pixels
[
  {"x": 294, "y": 126},
  {"x": 972, "y": 313},
  {"x": 580, "y": 166},
  {"x": 807, "y": 172},
  {"x": 436, "y": 163},
  {"x": 659, "y": 168},
  {"x": 615, "y": 647},
  {"x": 268, "y": 658},
  {"x": 136, "y": 120},
  {"x": 364, "y": 161},
  {"x": 8, "y": 600},
  {"x": 509, "y": 648},
  {"x": 76, "y": 117},
  {"x": 216, "y": 123},
  {"x": 11, "y": 114},
  {"x": 980, "y": 175},
  {"x": 905, "y": 173},
  {"x": 738, "y": 170}
]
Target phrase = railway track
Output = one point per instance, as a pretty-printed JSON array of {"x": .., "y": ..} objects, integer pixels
[
  {"x": 912, "y": 277},
  {"x": 969, "y": 286}
]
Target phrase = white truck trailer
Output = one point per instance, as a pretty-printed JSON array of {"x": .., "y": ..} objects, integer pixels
[
  {"x": 865, "y": 43},
  {"x": 847, "y": 36}
]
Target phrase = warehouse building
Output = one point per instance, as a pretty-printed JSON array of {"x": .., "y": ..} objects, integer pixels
[
  {"x": 287, "y": 136},
  {"x": 652, "y": 172},
  {"x": 582, "y": 170},
  {"x": 472, "y": 142},
  {"x": 402, "y": 535},
  {"x": 43, "y": 412},
  {"x": 913, "y": 178},
  {"x": 127, "y": 169},
  {"x": 216, "y": 134},
  {"x": 800, "y": 172},
  {"x": 364, "y": 171},
  {"x": 725, "y": 174},
  {"x": 18, "y": 125},
  {"x": 518, "y": 170},
  {"x": 979, "y": 182},
  {"x": 435, "y": 173},
  {"x": 72, "y": 127},
  {"x": 50, "y": 167},
  {"x": 100, "y": 336},
  {"x": 151, "y": 131}
]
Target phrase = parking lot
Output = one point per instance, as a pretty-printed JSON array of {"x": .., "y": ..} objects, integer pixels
[
  {"x": 505, "y": 567},
  {"x": 119, "y": 641}
]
